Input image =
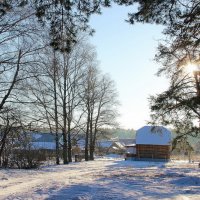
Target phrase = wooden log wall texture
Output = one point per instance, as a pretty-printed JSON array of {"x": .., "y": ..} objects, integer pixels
[{"x": 153, "y": 151}]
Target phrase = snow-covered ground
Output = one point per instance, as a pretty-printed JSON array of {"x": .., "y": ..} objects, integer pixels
[{"x": 104, "y": 178}]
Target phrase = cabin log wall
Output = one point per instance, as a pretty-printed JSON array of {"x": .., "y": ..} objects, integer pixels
[{"x": 153, "y": 151}]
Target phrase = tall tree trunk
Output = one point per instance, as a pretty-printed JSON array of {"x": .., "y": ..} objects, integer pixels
[
  {"x": 3, "y": 140},
  {"x": 87, "y": 138},
  {"x": 91, "y": 152},
  {"x": 57, "y": 141},
  {"x": 93, "y": 143},
  {"x": 69, "y": 143},
  {"x": 56, "y": 109},
  {"x": 65, "y": 160},
  {"x": 94, "y": 134},
  {"x": 91, "y": 137},
  {"x": 69, "y": 118},
  {"x": 65, "y": 149}
]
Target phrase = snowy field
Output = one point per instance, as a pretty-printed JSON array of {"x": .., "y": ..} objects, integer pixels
[{"x": 104, "y": 179}]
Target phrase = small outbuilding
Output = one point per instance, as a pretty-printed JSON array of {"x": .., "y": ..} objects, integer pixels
[
  {"x": 130, "y": 152},
  {"x": 153, "y": 142}
]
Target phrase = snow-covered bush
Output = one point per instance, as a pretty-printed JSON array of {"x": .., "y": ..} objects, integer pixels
[{"x": 26, "y": 159}]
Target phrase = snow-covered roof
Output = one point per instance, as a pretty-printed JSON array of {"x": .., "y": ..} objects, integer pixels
[
  {"x": 120, "y": 145},
  {"x": 155, "y": 135},
  {"x": 130, "y": 145},
  {"x": 46, "y": 137},
  {"x": 43, "y": 145},
  {"x": 42, "y": 140},
  {"x": 36, "y": 136},
  {"x": 126, "y": 142},
  {"x": 42, "y": 137},
  {"x": 105, "y": 143},
  {"x": 81, "y": 143}
]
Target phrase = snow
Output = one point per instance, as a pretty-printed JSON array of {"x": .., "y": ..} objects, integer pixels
[
  {"x": 36, "y": 135},
  {"x": 105, "y": 143},
  {"x": 43, "y": 145},
  {"x": 119, "y": 145},
  {"x": 81, "y": 143},
  {"x": 158, "y": 135},
  {"x": 104, "y": 178},
  {"x": 131, "y": 149}
]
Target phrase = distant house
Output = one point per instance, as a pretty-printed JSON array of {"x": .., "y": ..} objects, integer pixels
[
  {"x": 126, "y": 142},
  {"x": 114, "y": 145},
  {"x": 43, "y": 141},
  {"x": 130, "y": 151},
  {"x": 81, "y": 144},
  {"x": 153, "y": 142},
  {"x": 128, "y": 146},
  {"x": 105, "y": 144}
]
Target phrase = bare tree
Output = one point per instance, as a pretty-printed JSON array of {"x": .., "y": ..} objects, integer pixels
[
  {"x": 69, "y": 88},
  {"x": 100, "y": 102},
  {"x": 18, "y": 45},
  {"x": 8, "y": 120},
  {"x": 54, "y": 92}
]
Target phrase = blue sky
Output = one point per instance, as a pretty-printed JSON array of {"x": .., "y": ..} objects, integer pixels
[{"x": 126, "y": 52}]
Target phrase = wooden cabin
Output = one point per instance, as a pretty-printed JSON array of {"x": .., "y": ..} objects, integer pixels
[{"x": 153, "y": 143}]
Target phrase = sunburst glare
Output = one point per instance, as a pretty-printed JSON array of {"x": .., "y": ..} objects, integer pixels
[{"x": 190, "y": 68}]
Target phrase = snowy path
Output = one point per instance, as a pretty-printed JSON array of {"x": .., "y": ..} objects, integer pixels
[{"x": 103, "y": 179}]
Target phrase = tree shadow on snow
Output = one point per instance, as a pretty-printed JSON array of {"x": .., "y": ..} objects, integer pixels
[
  {"x": 154, "y": 179},
  {"x": 87, "y": 192},
  {"x": 187, "y": 181},
  {"x": 139, "y": 164},
  {"x": 132, "y": 180},
  {"x": 113, "y": 189}
]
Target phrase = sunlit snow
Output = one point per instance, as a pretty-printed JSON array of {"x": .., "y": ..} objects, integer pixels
[{"x": 104, "y": 178}]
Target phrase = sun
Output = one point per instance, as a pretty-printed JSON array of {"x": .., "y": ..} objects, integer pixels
[{"x": 190, "y": 68}]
